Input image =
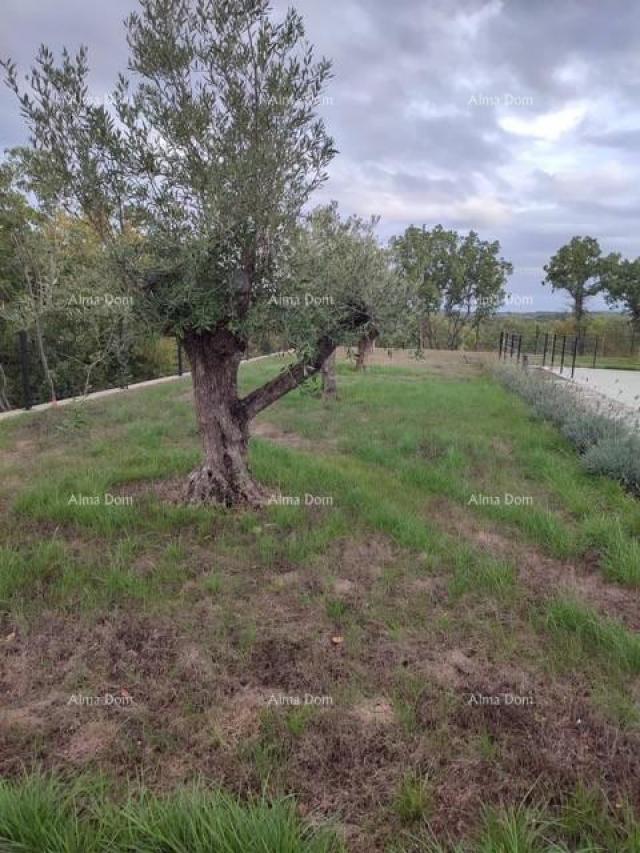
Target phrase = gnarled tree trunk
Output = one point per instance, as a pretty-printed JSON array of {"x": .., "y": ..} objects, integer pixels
[
  {"x": 224, "y": 418},
  {"x": 329, "y": 380},
  {"x": 224, "y": 476},
  {"x": 365, "y": 348}
]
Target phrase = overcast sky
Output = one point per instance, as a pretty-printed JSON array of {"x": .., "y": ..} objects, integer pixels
[{"x": 518, "y": 119}]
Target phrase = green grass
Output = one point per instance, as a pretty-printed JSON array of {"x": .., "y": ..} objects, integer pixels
[
  {"x": 400, "y": 454},
  {"x": 585, "y": 633},
  {"x": 413, "y": 801},
  {"x": 46, "y": 815}
]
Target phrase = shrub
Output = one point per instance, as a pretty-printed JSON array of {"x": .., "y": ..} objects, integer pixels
[
  {"x": 600, "y": 433},
  {"x": 618, "y": 458}
]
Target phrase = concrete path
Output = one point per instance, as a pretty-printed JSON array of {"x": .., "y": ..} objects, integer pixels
[
  {"x": 610, "y": 394},
  {"x": 109, "y": 392},
  {"x": 621, "y": 386}
]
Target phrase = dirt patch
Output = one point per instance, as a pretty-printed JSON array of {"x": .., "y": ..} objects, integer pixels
[
  {"x": 344, "y": 587},
  {"x": 362, "y": 559},
  {"x": 271, "y": 432},
  {"x": 443, "y": 363},
  {"x": 378, "y": 711},
  {"x": 90, "y": 741},
  {"x": 545, "y": 735}
]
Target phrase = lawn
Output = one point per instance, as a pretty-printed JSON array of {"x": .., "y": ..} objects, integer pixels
[{"x": 427, "y": 641}]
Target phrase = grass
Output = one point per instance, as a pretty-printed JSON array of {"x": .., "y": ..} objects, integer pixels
[
  {"x": 588, "y": 633},
  {"x": 44, "y": 814},
  {"x": 413, "y": 800},
  {"x": 202, "y": 614}
]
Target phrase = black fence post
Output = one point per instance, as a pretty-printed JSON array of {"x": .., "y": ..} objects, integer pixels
[
  {"x": 23, "y": 351},
  {"x": 595, "y": 353},
  {"x": 553, "y": 351},
  {"x": 537, "y": 337},
  {"x": 519, "y": 347},
  {"x": 500, "y": 344},
  {"x": 513, "y": 341},
  {"x": 546, "y": 344},
  {"x": 564, "y": 346},
  {"x": 179, "y": 346},
  {"x": 575, "y": 353}
]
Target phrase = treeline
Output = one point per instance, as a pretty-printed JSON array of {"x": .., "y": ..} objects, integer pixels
[{"x": 89, "y": 326}]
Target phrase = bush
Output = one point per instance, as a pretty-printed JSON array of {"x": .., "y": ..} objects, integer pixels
[
  {"x": 600, "y": 433},
  {"x": 586, "y": 428},
  {"x": 618, "y": 458}
]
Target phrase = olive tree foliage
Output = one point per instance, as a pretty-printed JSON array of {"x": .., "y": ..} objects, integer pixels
[
  {"x": 347, "y": 281},
  {"x": 577, "y": 268},
  {"x": 458, "y": 276},
  {"x": 207, "y": 150},
  {"x": 621, "y": 282}
]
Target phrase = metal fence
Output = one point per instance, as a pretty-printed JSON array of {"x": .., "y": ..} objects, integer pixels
[
  {"x": 27, "y": 376},
  {"x": 565, "y": 353}
]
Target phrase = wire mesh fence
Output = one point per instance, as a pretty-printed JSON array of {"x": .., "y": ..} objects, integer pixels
[{"x": 23, "y": 382}]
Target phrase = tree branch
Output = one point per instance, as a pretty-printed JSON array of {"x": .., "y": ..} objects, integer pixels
[{"x": 269, "y": 393}]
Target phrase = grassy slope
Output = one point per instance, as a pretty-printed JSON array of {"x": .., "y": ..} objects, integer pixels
[{"x": 434, "y": 600}]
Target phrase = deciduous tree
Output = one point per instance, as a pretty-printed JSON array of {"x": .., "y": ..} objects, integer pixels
[
  {"x": 576, "y": 268},
  {"x": 621, "y": 282}
]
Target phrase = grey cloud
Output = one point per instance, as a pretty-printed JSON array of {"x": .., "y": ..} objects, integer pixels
[{"x": 411, "y": 145}]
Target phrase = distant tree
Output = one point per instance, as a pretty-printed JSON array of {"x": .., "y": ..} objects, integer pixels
[
  {"x": 422, "y": 257},
  {"x": 621, "y": 283},
  {"x": 461, "y": 276},
  {"x": 477, "y": 286},
  {"x": 211, "y": 150},
  {"x": 577, "y": 268}
]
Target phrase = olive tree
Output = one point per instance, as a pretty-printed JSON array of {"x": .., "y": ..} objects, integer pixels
[
  {"x": 348, "y": 282},
  {"x": 207, "y": 150}
]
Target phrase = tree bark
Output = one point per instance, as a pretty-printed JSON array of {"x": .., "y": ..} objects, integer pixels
[
  {"x": 223, "y": 418},
  {"x": 263, "y": 397},
  {"x": 365, "y": 348},
  {"x": 329, "y": 380},
  {"x": 4, "y": 400},
  {"x": 224, "y": 476},
  {"x": 44, "y": 361}
]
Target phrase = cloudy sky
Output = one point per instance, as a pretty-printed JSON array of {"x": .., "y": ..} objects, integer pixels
[{"x": 518, "y": 119}]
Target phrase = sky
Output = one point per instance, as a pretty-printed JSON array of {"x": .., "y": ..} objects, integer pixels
[{"x": 517, "y": 119}]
